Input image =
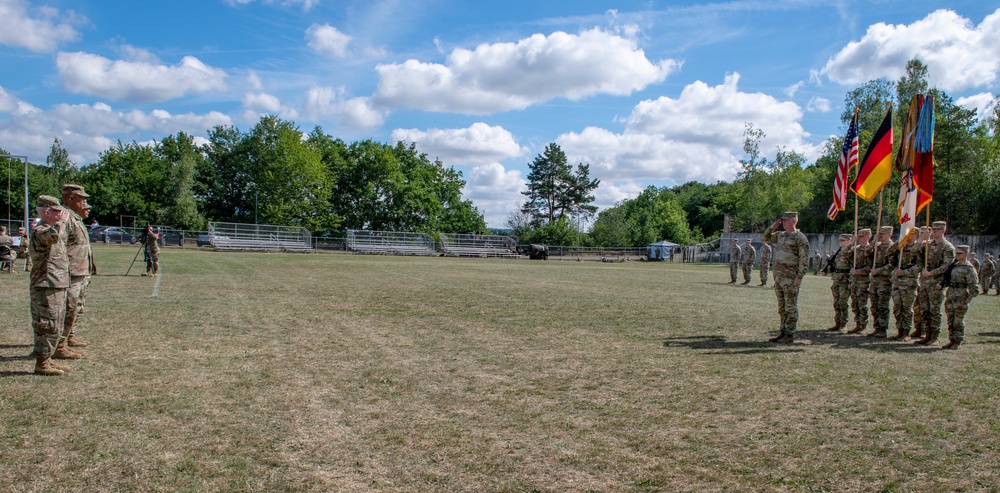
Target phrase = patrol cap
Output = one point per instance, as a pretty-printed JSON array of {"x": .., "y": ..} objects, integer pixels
[
  {"x": 845, "y": 237},
  {"x": 70, "y": 188},
  {"x": 790, "y": 215},
  {"x": 865, "y": 232},
  {"x": 48, "y": 201},
  {"x": 885, "y": 230},
  {"x": 735, "y": 240},
  {"x": 962, "y": 249},
  {"x": 939, "y": 224},
  {"x": 924, "y": 229}
]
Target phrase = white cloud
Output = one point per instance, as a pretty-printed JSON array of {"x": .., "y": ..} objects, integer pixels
[
  {"x": 479, "y": 144},
  {"x": 254, "y": 81},
  {"x": 698, "y": 136},
  {"x": 794, "y": 88},
  {"x": 981, "y": 103},
  {"x": 354, "y": 113},
  {"x": 307, "y": 5},
  {"x": 88, "y": 130},
  {"x": 143, "y": 79},
  {"x": 256, "y": 104},
  {"x": 328, "y": 40},
  {"x": 958, "y": 55},
  {"x": 11, "y": 104},
  {"x": 506, "y": 76},
  {"x": 496, "y": 191},
  {"x": 819, "y": 105},
  {"x": 42, "y": 32}
]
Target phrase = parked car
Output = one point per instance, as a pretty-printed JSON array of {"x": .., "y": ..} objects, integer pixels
[
  {"x": 204, "y": 240},
  {"x": 168, "y": 236},
  {"x": 110, "y": 234}
]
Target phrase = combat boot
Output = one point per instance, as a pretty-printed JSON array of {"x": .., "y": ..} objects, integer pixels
[
  {"x": 44, "y": 366},
  {"x": 788, "y": 339},
  {"x": 856, "y": 330},
  {"x": 75, "y": 341},
  {"x": 64, "y": 368},
  {"x": 835, "y": 328},
  {"x": 777, "y": 338},
  {"x": 878, "y": 333},
  {"x": 916, "y": 334},
  {"x": 952, "y": 344},
  {"x": 930, "y": 337},
  {"x": 64, "y": 352},
  {"x": 900, "y": 335}
]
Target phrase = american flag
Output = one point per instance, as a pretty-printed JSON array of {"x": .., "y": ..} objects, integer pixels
[{"x": 848, "y": 160}]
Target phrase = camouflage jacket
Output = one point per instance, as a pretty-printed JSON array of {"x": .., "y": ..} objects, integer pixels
[
  {"x": 841, "y": 265},
  {"x": 940, "y": 255},
  {"x": 791, "y": 253},
  {"x": 911, "y": 264},
  {"x": 78, "y": 246},
  {"x": 49, "y": 260},
  {"x": 748, "y": 255},
  {"x": 862, "y": 259},
  {"x": 765, "y": 254},
  {"x": 884, "y": 260},
  {"x": 988, "y": 269},
  {"x": 964, "y": 284},
  {"x": 734, "y": 255}
]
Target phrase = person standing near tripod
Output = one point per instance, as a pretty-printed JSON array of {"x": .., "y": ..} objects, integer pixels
[{"x": 151, "y": 248}]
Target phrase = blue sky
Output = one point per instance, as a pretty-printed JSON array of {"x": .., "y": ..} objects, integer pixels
[{"x": 648, "y": 93}]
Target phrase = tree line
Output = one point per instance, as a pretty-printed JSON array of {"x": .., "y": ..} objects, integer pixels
[{"x": 270, "y": 174}]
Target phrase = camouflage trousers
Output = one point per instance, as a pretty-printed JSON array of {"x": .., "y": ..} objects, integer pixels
[
  {"x": 841, "y": 290},
  {"x": 859, "y": 300},
  {"x": 153, "y": 262},
  {"x": 903, "y": 297},
  {"x": 763, "y": 272},
  {"x": 75, "y": 296},
  {"x": 996, "y": 284},
  {"x": 929, "y": 298},
  {"x": 733, "y": 270},
  {"x": 788, "y": 303},
  {"x": 747, "y": 272},
  {"x": 955, "y": 306},
  {"x": 881, "y": 294},
  {"x": 985, "y": 282},
  {"x": 48, "y": 312}
]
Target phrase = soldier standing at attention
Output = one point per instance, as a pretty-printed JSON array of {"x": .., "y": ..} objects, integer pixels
[
  {"x": 940, "y": 255},
  {"x": 747, "y": 256},
  {"x": 839, "y": 268},
  {"x": 918, "y": 313},
  {"x": 986, "y": 272},
  {"x": 81, "y": 262},
  {"x": 816, "y": 260},
  {"x": 860, "y": 277},
  {"x": 974, "y": 261},
  {"x": 791, "y": 262},
  {"x": 904, "y": 281},
  {"x": 765, "y": 261},
  {"x": 49, "y": 281},
  {"x": 963, "y": 285},
  {"x": 996, "y": 276},
  {"x": 734, "y": 261},
  {"x": 881, "y": 284}
]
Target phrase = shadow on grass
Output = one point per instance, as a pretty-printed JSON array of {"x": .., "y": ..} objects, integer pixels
[
  {"x": 13, "y": 346},
  {"x": 5, "y": 374},
  {"x": 25, "y": 357},
  {"x": 857, "y": 341},
  {"x": 985, "y": 334},
  {"x": 721, "y": 345}
]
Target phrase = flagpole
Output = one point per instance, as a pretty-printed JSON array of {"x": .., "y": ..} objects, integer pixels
[
  {"x": 878, "y": 226},
  {"x": 855, "y": 256}
]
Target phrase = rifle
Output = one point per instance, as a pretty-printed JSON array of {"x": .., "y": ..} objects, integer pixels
[
  {"x": 830, "y": 263},
  {"x": 946, "y": 278}
]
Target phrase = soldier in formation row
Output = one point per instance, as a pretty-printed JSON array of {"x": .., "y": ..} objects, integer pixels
[{"x": 747, "y": 257}]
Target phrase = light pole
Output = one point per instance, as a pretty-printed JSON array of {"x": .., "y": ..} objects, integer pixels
[{"x": 11, "y": 157}]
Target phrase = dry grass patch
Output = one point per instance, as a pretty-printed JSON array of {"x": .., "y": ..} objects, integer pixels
[{"x": 275, "y": 372}]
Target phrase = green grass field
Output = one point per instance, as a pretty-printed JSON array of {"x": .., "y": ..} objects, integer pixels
[{"x": 330, "y": 372}]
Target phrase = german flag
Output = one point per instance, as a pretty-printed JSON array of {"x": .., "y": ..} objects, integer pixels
[{"x": 876, "y": 167}]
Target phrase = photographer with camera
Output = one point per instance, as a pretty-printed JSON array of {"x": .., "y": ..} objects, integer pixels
[{"x": 151, "y": 251}]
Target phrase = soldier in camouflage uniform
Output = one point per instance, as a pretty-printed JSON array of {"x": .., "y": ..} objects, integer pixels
[
  {"x": 918, "y": 314},
  {"x": 765, "y": 261},
  {"x": 817, "y": 258},
  {"x": 839, "y": 267},
  {"x": 747, "y": 257},
  {"x": 80, "y": 265},
  {"x": 860, "y": 277},
  {"x": 909, "y": 260},
  {"x": 791, "y": 262},
  {"x": 986, "y": 272},
  {"x": 996, "y": 276},
  {"x": 940, "y": 255},
  {"x": 880, "y": 285},
  {"x": 49, "y": 280},
  {"x": 734, "y": 261},
  {"x": 974, "y": 261},
  {"x": 963, "y": 285}
]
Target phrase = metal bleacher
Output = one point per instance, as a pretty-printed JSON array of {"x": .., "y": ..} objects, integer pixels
[
  {"x": 470, "y": 245},
  {"x": 259, "y": 237},
  {"x": 390, "y": 243}
]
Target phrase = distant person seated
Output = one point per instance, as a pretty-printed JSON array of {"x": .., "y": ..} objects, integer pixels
[{"x": 6, "y": 250}]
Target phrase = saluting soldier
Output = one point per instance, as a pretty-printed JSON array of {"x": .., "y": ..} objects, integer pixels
[
  {"x": 791, "y": 263},
  {"x": 880, "y": 287},
  {"x": 81, "y": 262},
  {"x": 860, "y": 278},
  {"x": 49, "y": 281},
  {"x": 940, "y": 255},
  {"x": 765, "y": 261},
  {"x": 963, "y": 285},
  {"x": 734, "y": 261},
  {"x": 747, "y": 256},
  {"x": 839, "y": 269}
]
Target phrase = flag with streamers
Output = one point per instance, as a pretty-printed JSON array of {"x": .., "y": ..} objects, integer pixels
[{"x": 848, "y": 160}]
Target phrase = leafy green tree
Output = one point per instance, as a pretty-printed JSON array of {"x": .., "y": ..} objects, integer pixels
[
  {"x": 555, "y": 190},
  {"x": 62, "y": 167},
  {"x": 183, "y": 157}
]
